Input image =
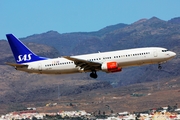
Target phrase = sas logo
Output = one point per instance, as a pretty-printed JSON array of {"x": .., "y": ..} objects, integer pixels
[{"x": 25, "y": 57}]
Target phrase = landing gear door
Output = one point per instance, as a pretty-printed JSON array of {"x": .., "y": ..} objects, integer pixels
[{"x": 155, "y": 54}]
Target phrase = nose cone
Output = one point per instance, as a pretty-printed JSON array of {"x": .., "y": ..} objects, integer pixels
[{"x": 173, "y": 54}]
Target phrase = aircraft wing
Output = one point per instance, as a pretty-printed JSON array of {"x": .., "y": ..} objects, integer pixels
[
  {"x": 17, "y": 65},
  {"x": 84, "y": 64}
]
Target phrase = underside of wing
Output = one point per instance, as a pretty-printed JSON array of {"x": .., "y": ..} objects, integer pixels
[{"x": 84, "y": 64}]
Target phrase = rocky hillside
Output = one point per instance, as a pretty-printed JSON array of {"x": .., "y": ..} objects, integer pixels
[
  {"x": 17, "y": 87},
  {"x": 142, "y": 33}
]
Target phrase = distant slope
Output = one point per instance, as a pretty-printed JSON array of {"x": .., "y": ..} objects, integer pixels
[
  {"x": 175, "y": 20},
  {"x": 67, "y": 43},
  {"x": 146, "y": 32},
  {"x": 142, "y": 33},
  {"x": 17, "y": 87}
]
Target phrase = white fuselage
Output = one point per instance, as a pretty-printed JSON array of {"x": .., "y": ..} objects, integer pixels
[{"x": 124, "y": 58}]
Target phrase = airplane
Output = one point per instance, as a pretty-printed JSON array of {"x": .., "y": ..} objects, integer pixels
[{"x": 109, "y": 62}]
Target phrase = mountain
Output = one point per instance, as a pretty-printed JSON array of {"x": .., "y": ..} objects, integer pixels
[
  {"x": 175, "y": 20},
  {"x": 18, "y": 87},
  {"x": 142, "y": 33},
  {"x": 146, "y": 32}
]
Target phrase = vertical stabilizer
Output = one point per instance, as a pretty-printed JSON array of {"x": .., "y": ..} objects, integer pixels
[{"x": 21, "y": 52}]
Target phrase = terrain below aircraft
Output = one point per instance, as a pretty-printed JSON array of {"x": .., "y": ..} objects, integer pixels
[{"x": 112, "y": 61}]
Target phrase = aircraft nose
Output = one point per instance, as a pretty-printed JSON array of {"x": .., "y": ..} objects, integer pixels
[{"x": 173, "y": 54}]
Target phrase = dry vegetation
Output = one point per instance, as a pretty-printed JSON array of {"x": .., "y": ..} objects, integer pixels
[{"x": 151, "y": 95}]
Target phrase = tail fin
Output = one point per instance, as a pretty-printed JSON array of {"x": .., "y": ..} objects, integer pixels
[{"x": 22, "y": 53}]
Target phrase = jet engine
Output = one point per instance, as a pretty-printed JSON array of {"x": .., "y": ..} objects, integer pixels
[{"x": 110, "y": 67}]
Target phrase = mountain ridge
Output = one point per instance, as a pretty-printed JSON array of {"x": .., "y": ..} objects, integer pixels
[
  {"x": 143, "y": 33},
  {"x": 19, "y": 87}
]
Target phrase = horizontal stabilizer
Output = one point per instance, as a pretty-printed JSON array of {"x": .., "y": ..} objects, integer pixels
[{"x": 16, "y": 65}]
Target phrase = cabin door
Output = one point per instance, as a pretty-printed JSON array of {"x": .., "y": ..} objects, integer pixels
[
  {"x": 39, "y": 67},
  {"x": 155, "y": 54}
]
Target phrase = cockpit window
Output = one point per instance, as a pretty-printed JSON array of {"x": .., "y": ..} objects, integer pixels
[{"x": 164, "y": 50}]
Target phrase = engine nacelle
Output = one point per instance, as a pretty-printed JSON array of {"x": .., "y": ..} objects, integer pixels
[{"x": 110, "y": 67}]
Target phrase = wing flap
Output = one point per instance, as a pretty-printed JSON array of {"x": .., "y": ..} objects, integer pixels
[{"x": 87, "y": 65}]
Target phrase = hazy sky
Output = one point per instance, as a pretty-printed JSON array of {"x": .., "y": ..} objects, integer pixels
[{"x": 27, "y": 17}]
